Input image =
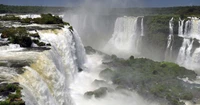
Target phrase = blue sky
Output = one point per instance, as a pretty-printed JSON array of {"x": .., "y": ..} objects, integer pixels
[{"x": 115, "y": 3}]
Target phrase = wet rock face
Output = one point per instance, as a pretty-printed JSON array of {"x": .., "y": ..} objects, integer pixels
[
  {"x": 102, "y": 83},
  {"x": 90, "y": 50},
  {"x": 15, "y": 63},
  {"x": 107, "y": 74},
  {"x": 99, "y": 93}
]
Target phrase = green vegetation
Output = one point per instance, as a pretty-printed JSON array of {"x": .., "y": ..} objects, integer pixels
[
  {"x": 17, "y": 36},
  {"x": 13, "y": 93},
  {"x": 21, "y": 36},
  {"x": 30, "y": 9},
  {"x": 71, "y": 28},
  {"x": 156, "y": 30},
  {"x": 44, "y": 19},
  {"x": 150, "y": 78},
  {"x": 184, "y": 11},
  {"x": 9, "y": 18}
]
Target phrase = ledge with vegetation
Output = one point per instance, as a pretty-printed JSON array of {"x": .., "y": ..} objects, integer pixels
[
  {"x": 44, "y": 19},
  {"x": 12, "y": 94},
  {"x": 162, "y": 80},
  {"x": 22, "y": 37}
]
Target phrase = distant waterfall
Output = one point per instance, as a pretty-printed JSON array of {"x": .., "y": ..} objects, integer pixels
[
  {"x": 142, "y": 26},
  {"x": 125, "y": 40},
  {"x": 180, "y": 27},
  {"x": 189, "y": 30},
  {"x": 168, "y": 53},
  {"x": 46, "y": 81},
  {"x": 184, "y": 52}
]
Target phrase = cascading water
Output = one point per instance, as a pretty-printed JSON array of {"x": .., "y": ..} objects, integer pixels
[
  {"x": 142, "y": 26},
  {"x": 125, "y": 39},
  {"x": 189, "y": 33},
  {"x": 85, "y": 81},
  {"x": 46, "y": 81},
  {"x": 184, "y": 52},
  {"x": 180, "y": 28},
  {"x": 168, "y": 52}
]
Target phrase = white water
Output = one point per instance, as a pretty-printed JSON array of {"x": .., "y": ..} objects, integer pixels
[
  {"x": 142, "y": 27},
  {"x": 10, "y": 47},
  {"x": 29, "y": 16},
  {"x": 33, "y": 25},
  {"x": 68, "y": 45},
  {"x": 46, "y": 81},
  {"x": 180, "y": 28},
  {"x": 168, "y": 52},
  {"x": 84, "y": 83},
  {"x": 189, "y": 33},
  {"x": 184, "y": 57},
  {"x": 125, "y": 40}
]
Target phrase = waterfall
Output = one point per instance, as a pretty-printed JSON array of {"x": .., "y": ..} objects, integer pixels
[
  {"x": 85, "y": 81},
  {"x": 191, "y": 31},
  {"x": 142, "y": 26},
  {"x": 180, "y": 28},
  {"x": 125, "y": 39},
  {"x": 68, "y": 46},
  {"x": 46, "y": 80},
  {"x": 184, "y": 52},
  {"x": 168, "y": 52}
]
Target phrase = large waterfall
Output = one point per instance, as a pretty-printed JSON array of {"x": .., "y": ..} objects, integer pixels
[
  {"x": 189, "y": 31},
  {"x": 46, "y": 81},
  {"x": 126, "y": 38},
  {"x": 168, "y": 53}
]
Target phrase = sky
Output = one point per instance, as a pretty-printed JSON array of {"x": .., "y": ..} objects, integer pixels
[{"x": 113, "y": 3}]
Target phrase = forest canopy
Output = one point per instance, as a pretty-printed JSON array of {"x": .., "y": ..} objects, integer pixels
[{"x": 189, "y": 10}]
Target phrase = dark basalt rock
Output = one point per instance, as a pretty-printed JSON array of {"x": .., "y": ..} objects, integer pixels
[
  {"x": 107, "y": 74},
  {"x": 80, "y": 69},
  {"x": 39, "y": 49},
  {"x": 99, "y": 93},
  {"x": 100, "y": 83},
  {"x": 90, "y": 50},
  {"x": 17, "y": 64},
  {"x": 26, "y": 42}
]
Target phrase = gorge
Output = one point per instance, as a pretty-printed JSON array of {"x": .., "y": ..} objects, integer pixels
[{"x": 131, "y": 65}]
